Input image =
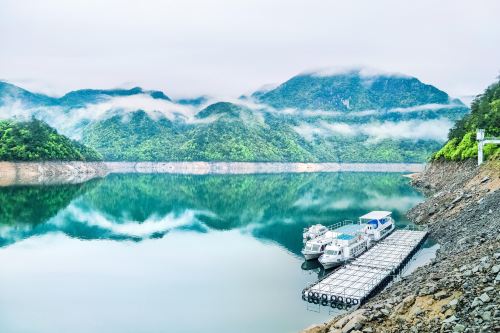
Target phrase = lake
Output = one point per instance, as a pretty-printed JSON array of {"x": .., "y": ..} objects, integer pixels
[{"x": 174, "y": 253}]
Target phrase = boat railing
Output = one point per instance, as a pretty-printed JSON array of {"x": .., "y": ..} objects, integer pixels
[{"x": 340, "y": 224}]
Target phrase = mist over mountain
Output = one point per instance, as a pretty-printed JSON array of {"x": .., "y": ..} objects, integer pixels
[{"x": 351, "y": 116}]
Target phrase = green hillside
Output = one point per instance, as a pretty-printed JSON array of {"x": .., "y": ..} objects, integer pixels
[
  {"x": 230, "y": 132},
  {"x": 227, "y": 137},
  {"x": 36, "y": 141},
  {"x": 485, "y": 114},
  {"x": 351, "y": 91},
  {"x": 347, "y": 117}
]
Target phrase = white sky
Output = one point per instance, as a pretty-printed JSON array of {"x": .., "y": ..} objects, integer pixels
[{"x": 219, "y": 47}]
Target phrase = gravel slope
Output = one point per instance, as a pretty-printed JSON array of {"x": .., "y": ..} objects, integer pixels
[{"x": 459, "y": 291}]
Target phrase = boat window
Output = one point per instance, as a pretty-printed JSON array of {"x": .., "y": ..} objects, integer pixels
[{"x": 315, "y": 247}]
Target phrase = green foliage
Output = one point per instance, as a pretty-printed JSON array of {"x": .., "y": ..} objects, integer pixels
[
  {"x": 457, "y": 151},
  {"x": 36, "y": 141},
  {"x": 35, "y": 204},
  {"x": 485, "y": 114},
  {"x": 351, "y": 91},
  {"x": 227, "y": 138},
  {"x": 227, "y": 132}
]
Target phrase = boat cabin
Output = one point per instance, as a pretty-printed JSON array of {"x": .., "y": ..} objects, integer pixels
[
  {"x": 376, "y": 219},
  {"x": 378, "y": 224}
]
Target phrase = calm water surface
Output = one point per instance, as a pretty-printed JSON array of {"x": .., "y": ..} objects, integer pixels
[{"x": 169, "y": 253}]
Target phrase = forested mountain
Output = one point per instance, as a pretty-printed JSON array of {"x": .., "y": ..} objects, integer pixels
[
  {"x": 348, "y": 117},
  {"x": 485, "y": 114},
  {"x": 86, "y": 96},
  {"x": 10, "y": 93},
  {"x": 226, "y": 138},
  {"x": 36, "y": 141},
  {"x": 352, "y": 91},
  {"x": 77, "y": 98}
]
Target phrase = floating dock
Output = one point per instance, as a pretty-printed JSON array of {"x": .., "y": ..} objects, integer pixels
[{"x": 366, "y": 275}]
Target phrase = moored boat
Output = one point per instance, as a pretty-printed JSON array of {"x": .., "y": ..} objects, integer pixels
[
  {"x": 315, "y": 247},
  {"x": 379, "y": 224},
  {"x": 345, "y": 247},
  {"x": 313, "y": 232},
  {"x": 346, "y": 240}
]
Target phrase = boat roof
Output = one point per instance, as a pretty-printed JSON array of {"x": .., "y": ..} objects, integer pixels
[
  {"x": 350, "y": 229},
  {"x": 376, "y": 215}
]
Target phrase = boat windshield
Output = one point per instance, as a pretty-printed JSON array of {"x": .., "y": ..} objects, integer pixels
[
  {"x": 332, "y": 252},
  {"x": 312, "y": 247}
]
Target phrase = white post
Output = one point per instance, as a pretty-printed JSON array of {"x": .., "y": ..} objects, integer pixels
[
  {"x": 480, "y": 153},
  {"x": 480, "y": 144}
]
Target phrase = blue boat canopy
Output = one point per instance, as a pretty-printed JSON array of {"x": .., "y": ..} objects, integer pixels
[{"x": 345, "y": 237}]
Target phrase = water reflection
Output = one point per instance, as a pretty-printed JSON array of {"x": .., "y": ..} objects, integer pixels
[
  {"x": 272, "y": 208},
  {"x": 174, "y": 252}
]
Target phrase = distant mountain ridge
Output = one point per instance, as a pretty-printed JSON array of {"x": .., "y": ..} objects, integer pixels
[
  {"x": 346, "y": 117},
  {"x": 76, "y": 98},
  {"x": 352, "y": 91}
]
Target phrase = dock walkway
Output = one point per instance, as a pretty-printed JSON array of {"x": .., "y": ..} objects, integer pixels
[{"x": 353, "y": 283}]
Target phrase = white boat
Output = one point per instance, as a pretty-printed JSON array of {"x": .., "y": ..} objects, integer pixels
[
  {"x": 345, "y": 247},
  {"x": 378, "y": 224},
  {"x": 313, "y": 232},
  {"x": 347, "y": 240},
  {"x": 315, "y": 247}
]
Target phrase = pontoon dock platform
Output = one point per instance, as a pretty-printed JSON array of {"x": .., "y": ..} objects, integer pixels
[{"x": 355, "y": 282}]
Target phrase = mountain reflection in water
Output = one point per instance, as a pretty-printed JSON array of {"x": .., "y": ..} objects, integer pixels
[
  {"x": 174, "y": 253},
  {"x": 272, "y": 208}
]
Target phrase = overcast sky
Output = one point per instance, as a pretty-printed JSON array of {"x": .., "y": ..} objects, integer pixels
[{"x": 225, "y": 48}]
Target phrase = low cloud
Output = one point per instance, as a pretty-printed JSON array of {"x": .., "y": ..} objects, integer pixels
[
  {"x": 436, "y": 129},
  {"x": 399, "y": 203},
  {"x": 363, "y": 71},
  {"x": 71, "y": 121},
  {"x": 324, "y": 129},
  {"x": 129, "y": 228}
]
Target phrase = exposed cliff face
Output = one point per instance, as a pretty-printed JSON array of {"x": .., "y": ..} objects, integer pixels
[
  {"x": 24, "y": 173},
  {"x": 459, "y": 291}
]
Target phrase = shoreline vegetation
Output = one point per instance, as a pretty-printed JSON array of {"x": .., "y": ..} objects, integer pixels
[
  {"x": 485, "y": 114},
  {"x": 56, "y": 172},
  {"x": 34, "y": 140}
]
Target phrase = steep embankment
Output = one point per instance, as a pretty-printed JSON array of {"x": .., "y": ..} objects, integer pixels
[{"x": 459, "y": 291}]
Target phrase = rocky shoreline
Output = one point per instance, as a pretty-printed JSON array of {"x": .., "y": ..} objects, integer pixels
[
  {"x": 45, "y": 173},
  {"x": 459, "y": 290},
  {"x": 26, "y": 173},
  {"x": 205, "y": 168}
]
